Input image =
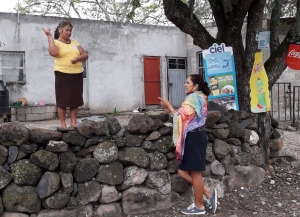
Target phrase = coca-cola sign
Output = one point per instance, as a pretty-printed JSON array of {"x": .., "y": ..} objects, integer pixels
[{"x": 292, "y": 59}]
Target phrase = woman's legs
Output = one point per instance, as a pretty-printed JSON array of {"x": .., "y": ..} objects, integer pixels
[
  {"x": 198, "y": 186},
  {"x": 187, "y": 176},
  {"x": 73, "y": 116},
  {"x": 62, "y": 116}
]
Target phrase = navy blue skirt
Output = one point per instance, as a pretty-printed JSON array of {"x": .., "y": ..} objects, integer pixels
[{"x": 194, "y": 158}]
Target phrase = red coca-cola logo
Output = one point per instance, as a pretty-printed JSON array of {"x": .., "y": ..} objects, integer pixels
[
  {"x": 294, "y": 53},
  {"x": 292, "y": 59}
]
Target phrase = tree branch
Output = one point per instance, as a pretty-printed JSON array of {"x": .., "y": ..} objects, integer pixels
[
  {"x": 191, "y": 6},
  {"x": 274, "y": 25},
  {"x": 75, "y": 9},
  {"x": 276, "y": 62},
  {"x": 178, "y": 13}
]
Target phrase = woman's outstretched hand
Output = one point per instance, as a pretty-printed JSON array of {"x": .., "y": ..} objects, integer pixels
[
  {"x": 47, "y": 31},
  {"x": 165, "y": 103}
]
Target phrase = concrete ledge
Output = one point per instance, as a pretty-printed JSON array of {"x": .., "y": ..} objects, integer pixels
[
  {"x": 51, "y": 108},
  {"x": 38, "y": 109},
  {"x": 33, "y": 113},
  {"x": 33, "y": 117}
]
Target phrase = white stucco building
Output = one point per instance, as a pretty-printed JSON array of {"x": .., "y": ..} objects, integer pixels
[
  {"x": 129, "y": 65},
  {"x": 119, "y": 56}
]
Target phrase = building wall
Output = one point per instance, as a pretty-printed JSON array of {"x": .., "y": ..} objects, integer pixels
[{"x": 115, "y": 64}]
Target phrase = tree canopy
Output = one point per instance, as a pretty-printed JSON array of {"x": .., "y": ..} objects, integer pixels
[
  {"x": 133, "y": 11},
  {"x": 229, "y": 17}
]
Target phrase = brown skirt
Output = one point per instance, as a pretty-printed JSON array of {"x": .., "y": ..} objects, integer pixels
[{"x": 68, "y": 89}]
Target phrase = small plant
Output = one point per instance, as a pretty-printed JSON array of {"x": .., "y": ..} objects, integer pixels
[{"x": 115, "y": 112}]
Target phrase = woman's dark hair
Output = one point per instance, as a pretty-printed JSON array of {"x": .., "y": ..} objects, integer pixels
[
  {"x": 202, "y": 85},
  {"x": 62, "y": 24}
]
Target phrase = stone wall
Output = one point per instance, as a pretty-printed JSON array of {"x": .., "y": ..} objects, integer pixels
[{"x": 102, "y": 169}]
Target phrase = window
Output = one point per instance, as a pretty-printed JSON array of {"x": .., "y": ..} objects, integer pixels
[
  {"x": 200, "y": 65},
  {"x": 12, "y": 66},
  {"x": 177, "y": 64}
]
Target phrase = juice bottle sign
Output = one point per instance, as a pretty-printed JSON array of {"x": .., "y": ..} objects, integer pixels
[{"x": 259, "y": 91}]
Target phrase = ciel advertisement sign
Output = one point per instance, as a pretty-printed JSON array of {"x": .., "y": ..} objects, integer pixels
[{"x": 220, "y": 74}]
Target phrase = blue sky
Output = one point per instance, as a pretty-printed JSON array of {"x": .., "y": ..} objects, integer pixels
[{"x": 8, "y": 5}]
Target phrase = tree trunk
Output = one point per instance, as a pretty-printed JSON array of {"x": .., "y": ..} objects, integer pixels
[{"x": 263, "y": 131}]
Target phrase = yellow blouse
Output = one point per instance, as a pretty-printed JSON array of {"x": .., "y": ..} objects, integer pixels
[{"x": 66, "y": 53}]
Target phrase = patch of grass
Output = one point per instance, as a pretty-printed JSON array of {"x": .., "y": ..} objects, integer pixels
[{"x": 115, "y": 112}]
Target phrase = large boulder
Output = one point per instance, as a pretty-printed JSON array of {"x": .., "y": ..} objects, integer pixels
[
  {"x": 235, "y": 130},
  {"x": 57, "y": 146},
  {"x": 251, "y": 137},
  {"x": 13, "y": 152},
  {"x": 45, "y": 159},
  {"x": 106, "y": 152},
  {"x": 74, "y": 138},
  {"x": 212, "y": 118},
  {"x": 68, "y": 161},
  {"x": 44, "y": 136},
  {"x": 13, "y": 133},
  {"x": 111, "y": 174},
  {"x": 173, "y": 166},
  {"x": 3, "y": 154},
  {"x": 92, "y": 128},
  {"x": 67, "y": 181},
  {"x": 140, "y": 124},
  {"x": 56, "y": 201},
  {"x": 165, "y": 131},
  {"x": 158, "y": 161},
  {"x": 139, "y": 200},
  {"x": 95, "y": 140},
  {"x": 113, "y": 125},
  {"x": 86, "y": 169},
  {"x": 149, "y": 146},
  {"x": 244, "y": 176},
  {"x": 5, "y": 178},
  {"x": 49, "y": 183},
  {"x": 85, "y": 211},
  {"x": 133, "y": 140},
  {"x": 23, "y": 169},
  {"x": 220, "y": 133},
  {"x": 88, "y": 192},
  {"x": 164, "y": 144},
  {"x": 112, "y": 209},
  {"x": 221, "y": 149},
  {"x": 133, "y": 156},
  {"x": 210, "y": 155},
  {"x": 21, "y": 199},
  {"x": 178, "y": 184},
  {"x": 275, "y": 144},
  {"x": 109, "y": 194},
  {"x": 134, "y": 175},
  {"x": 159, "y": 180},
  {"x": 57, "y": 213},
  {"x": 217, "y": 170}
]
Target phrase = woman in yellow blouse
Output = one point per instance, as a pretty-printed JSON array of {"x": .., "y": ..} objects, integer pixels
[{"x": 68, "y": 70}]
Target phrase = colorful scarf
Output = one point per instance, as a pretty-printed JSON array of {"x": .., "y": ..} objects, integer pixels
[{"x": 191, "y": 115}]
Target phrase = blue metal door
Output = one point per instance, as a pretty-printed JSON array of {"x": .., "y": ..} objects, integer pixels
[{"x": 176, "y": 81}]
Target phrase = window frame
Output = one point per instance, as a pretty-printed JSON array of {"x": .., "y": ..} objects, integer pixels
[
  {"x": 21, "y": 53},
  {"x": 200, "y": 64}
]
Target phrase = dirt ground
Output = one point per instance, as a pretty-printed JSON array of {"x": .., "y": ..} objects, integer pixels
[{"x": 279, "y": 194}]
